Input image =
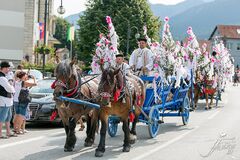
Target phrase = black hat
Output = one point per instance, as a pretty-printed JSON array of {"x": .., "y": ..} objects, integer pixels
[
  {"x": 214, "y": 53},
  {"x": 4, "y": 64},
  {"x": 119, "y": 55},
  {"x": 142, "y": 39}
]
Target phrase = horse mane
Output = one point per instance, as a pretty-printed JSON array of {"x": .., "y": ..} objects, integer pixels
[{"x": 64, "y": 69}]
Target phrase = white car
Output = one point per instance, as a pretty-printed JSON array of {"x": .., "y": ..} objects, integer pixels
[{"x": 36, "y": 73}]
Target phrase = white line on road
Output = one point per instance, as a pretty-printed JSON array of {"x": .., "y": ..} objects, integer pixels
[
  {"x": 31, "y": 140},
  {"x": 165, "y": 144},
  {"x": 21, "y": 142},
  {"x": 213, "y": 115}
]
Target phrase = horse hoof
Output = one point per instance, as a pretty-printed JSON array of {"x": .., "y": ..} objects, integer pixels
[
  {"x": 206, "y": 108},
  {"x": 210, "y": 107},
  {"x": 126, "y": 149},
  {"x": 99, "y": 154},
  {"x": 68, "y": 149},
  {"x": 132, "y": 141},
  {"x": 88, "y": 144}
]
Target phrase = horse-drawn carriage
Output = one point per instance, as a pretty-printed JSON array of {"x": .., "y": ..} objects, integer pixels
[{"x": 164, "y": 101}]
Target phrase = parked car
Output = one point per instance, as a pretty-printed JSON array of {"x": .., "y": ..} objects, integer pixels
[
  {"x": 42, "y": 106},
  {"x": 36, "y": 73}
]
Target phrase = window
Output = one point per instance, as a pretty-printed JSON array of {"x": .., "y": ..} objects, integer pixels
[
  {"x": 238, "y": 31},
  {"x": 238, "y": 46},
  {"x": 229, "y": 45}
]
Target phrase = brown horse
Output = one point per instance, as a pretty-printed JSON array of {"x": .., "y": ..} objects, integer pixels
[
  {"x": 69, "y": 84},
  {"x": 203, "y": 88},
  {"x": 111, "y": 83}
]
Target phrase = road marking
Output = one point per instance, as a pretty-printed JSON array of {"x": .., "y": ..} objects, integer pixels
[
  {"x": 213, "y": 115},
  {"x": 165, "y": 144},
  {"x": 31, "y": 140},
  {"x": 21, "y": 142}
]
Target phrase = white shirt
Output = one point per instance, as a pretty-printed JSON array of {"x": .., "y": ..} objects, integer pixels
[
  {"x": 17, "y": 86},
  {"x": 5, "y": 101},
  {"x": 142, "y": 58},
  {"x": 124, "y": 67}
]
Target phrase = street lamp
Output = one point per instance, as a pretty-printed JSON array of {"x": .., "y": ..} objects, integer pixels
[
  {"x": 137, "y": 35},
  {"x": 60, "y": 10}
]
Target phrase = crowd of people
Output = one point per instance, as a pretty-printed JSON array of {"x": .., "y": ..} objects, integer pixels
[{"x": 14, "y": 99}]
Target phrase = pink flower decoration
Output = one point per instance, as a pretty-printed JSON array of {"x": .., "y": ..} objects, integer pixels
[
  {"x": 155, "y": 44},
  {"x": 108, "y": 19},
  {"x": 186, "y": 57},
  {"x": 190, "y": 38},
  {"x": 189, "y": 28},
  {"x": 156, "y": 75},
  {"x": 166, "y": 19},
  {"x": 178, "y": 43},
  {"x": 108, "y": 59},
  {"x": 185, "y": 45},
  {"x": 95, "y": 64},
  {"x": 99, "y": 44},
  {"x": 100, "y": 35},
  {"x": 213, "y": 60},
  {"x": 155, "y": 65},
  {"x": 189, "y": 31},
  {"x": 107, "y": 41},
  {"x": 112, "y": 48}
]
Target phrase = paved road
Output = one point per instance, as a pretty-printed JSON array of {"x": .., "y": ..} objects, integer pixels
[{"x": 210, "y": 135}]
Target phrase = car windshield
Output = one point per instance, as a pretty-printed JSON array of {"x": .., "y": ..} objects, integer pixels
[
  {"x": 37, "y": 74},
  {"x": 43, "y": 86}
]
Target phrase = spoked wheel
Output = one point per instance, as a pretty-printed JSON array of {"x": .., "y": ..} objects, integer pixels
[
  {"x": 185, "y": 110},
  {"x": 112, "y": 127},
  {"x": 153, "y": 124}
]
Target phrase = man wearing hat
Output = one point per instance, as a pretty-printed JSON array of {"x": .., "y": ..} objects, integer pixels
[
  {"x": 141, "y": 60},
  {"x": 6, "y": 99},
  {"x": 121, "y": 64}
]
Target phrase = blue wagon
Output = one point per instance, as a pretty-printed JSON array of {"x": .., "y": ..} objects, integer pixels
[{"x": 153, "y": 111}]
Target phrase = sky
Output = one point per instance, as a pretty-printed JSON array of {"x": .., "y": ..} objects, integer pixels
[{"x": 76, "y": 6}]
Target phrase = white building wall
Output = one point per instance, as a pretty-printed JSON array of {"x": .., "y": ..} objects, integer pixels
[{"x": 11, "y": 29}]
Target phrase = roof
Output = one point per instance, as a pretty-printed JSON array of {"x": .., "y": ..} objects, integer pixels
[
  {"x": 209, "y": 44},
  {"x": 227, "y": 31}
]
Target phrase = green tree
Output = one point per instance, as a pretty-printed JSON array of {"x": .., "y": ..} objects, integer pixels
[
  {"x": 61, "y": 32},
  {"x": 127, "y": 15}
]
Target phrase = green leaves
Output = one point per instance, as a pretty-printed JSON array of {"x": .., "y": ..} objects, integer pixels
[{"x": 136, "y": 13}]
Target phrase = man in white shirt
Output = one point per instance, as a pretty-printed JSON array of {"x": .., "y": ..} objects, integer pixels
[
  {"x": 121, "y": 64},
  {"x": 141, "y": 60},
  {"x": 6, "y": 99}
]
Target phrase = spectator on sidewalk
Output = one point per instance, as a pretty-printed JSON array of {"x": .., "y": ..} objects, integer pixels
[
  {"x": 20, "y": 105},
  {"x": 6, "y": 100}
]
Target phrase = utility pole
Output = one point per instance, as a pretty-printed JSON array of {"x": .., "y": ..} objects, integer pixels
[{"x": 45, "y": 33}]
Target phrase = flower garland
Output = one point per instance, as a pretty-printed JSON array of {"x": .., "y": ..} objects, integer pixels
[{"x": 106, "y": 50}]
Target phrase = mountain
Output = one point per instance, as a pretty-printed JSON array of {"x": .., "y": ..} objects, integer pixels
[
  {"x": 202, "y": 15},
  {"x": 72, "y": 19},
  {"x": 205, "y": 17},
  {"x": 172, "y": 10}
]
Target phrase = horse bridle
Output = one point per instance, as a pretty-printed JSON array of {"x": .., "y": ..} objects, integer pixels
[
  {"x": 69, "y": 92},
  {"x": 107, "y": 94}
]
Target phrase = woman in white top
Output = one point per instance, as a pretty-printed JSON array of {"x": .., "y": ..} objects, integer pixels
[{"x": 20, "y": 108}]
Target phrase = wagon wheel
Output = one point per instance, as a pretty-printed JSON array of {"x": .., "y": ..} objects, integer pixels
[
  {"x": 153, "y": 124},
  {"x": 112, "y": 127},
  {"x": 185, "y": 110}
]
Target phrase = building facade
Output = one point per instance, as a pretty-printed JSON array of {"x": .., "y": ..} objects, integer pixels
[
  {"x": 19, "y": 21},
  {"x": 12, "y": 30},
  {"x": 230, "y": 35}
]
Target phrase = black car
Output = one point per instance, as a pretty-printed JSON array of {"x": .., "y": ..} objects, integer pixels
[{"x": 42, "y": 106}]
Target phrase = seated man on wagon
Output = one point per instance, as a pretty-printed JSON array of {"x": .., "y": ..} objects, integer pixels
[{"x": 141, "y": 60}]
